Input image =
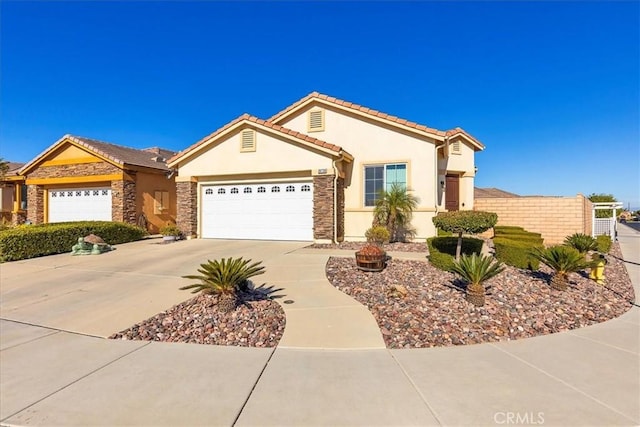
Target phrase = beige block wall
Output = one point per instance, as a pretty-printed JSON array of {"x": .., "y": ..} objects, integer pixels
[{"x": 553, "y": 217}]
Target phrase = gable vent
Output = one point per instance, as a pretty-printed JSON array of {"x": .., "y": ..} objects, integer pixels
[
  {"x": 316, "y": 121},
  {"x": 455, "y": 147},
  {"x": 248, "y": 140}
]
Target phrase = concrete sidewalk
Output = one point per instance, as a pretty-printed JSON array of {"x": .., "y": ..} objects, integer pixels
[{"x": 589, "y": 376}]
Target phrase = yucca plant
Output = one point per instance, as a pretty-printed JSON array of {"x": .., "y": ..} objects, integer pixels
[
  {"x": 475, "y": 270},
  {"x": 563, "y": 260},
  {"x": 581, "y": 242},
  {"x": 224, "y": 277}
]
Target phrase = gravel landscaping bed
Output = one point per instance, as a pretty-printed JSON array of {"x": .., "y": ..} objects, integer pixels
[
  {"x": 389, "y": 247},
  {"x": 198, "y": 320},
  {"x": 519, "y": 304}
]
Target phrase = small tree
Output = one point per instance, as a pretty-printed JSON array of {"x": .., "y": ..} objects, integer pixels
[
  {"x": 394, "y": 209},
  {"x": 470, "y": 222}
]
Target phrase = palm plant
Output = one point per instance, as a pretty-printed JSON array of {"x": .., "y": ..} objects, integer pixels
[
  {"x": 223, "y": 278},
  {"x": 394, "y": 209},
  {"x": 583, "y": 243},
  {"x": 475, "y": 270},
  {"x": 563, "y": 260}
]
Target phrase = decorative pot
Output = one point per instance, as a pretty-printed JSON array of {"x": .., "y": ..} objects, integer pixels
[
  {"x": 169, "y": 238},
  {"x": 371, "y": 258}
]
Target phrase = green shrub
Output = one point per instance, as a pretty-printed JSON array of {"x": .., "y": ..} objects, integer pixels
[
  {"x": 47, "y": 239},
  {"x": 517, "y": 253},
  {"x": 508, "y": 229},
  {"x": 442, "y": 250},
  {"x": 467, "y": 222},
  {"x": 378, "y": 234},
  {"x": 442, "y": 233},
  {"x": 517, "y": 234},
  {"x": 581, "y": 242},
  {"x": 224, "y": 278},
  {"x": 604, "y": 244},
  {"x": 170, "y": 230}
]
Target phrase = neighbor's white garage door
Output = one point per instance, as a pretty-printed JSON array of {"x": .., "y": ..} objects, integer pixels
[
  {"x": 79, "y": 204},
  {"x": 274, "y": 211}
]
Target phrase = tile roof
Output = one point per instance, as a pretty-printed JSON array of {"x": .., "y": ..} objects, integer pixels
[
  {"x": 13, "y": 168},
  {"x": 375, "y": 113},
  {"x": 154, "y": 158},
  {"x": 252, "y": 119},
  {"x": 483, "y": 193},
  {"x": 151, "y": 158}
]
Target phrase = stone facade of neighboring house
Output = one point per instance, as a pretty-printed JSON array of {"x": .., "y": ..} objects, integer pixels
[
  {"x": 13, "y": 195},
  {"x": 80, "y": 178}
]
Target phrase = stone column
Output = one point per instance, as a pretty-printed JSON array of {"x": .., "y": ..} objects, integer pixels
[
  {"x": 35, "y": 204},
  {"x": 340, "y": 198},
  {"x": 187, "y": 199},
  {"x": 323, "y": 207},
  {"x": 123, "y": 201}
]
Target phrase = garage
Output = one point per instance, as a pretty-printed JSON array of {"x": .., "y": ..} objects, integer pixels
[
  {"x": 79, "y": 204},
  {"x": 262, "y": 211}
]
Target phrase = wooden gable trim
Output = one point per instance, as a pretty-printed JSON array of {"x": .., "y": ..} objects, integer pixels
[{"x": 40, "y": 159}]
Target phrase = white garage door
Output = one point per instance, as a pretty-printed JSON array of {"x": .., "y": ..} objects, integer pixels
[
  {"x": 274, "y": 211},
  {"x": 79, "y": 204}
]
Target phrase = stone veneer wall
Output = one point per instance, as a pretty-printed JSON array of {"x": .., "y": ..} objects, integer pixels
[
  {"x": 82, "y": 169},
  {"x": 340, "y": 196},
  {"x": 553, "y": 217},
  {"x": 187, "y": 199},
  {"x": 18, "y": 218},
  {"x": 35, "y": 204},
  {"x": 123, "y": 201},
  {"x": 323, "y": 207}
]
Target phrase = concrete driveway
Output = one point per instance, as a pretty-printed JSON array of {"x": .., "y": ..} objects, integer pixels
[
  {"x": 100, "y": 295},
  {"x": 330, "y": 368}
]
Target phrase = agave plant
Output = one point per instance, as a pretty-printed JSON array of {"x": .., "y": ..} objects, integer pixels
[
  {"x": 563, "y": 260},
  {"x": 583, "y": 243},
  {"x": 475, "y": 270},
  {"x": 224, "y": 277}
]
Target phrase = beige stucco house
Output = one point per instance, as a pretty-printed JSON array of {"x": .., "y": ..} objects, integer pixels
[{"x": 314, "y": 170}]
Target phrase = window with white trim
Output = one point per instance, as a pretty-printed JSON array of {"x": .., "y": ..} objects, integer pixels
[{"x": 382, "y": 177}]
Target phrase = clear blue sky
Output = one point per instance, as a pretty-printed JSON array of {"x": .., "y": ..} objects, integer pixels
[{"x": 551, "y": 88}]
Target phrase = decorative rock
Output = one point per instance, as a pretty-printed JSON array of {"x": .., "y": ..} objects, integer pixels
[{"x": 521, "y": 303}]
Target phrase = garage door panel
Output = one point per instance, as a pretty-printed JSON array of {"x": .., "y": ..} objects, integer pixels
[
  {"x": 79, "y": 204},
  {"x": 271, "y": 211}
]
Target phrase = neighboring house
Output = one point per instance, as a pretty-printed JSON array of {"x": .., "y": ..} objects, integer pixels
[
  {"x": 83, "y": 179},
  {"x": 314, "y": 171},
  {"x": 13, "y": 195},
  {"x": 483, "y": 193}
]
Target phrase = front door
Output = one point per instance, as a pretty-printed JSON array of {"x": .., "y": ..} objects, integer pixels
[{"x": 452, "y": 201}]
